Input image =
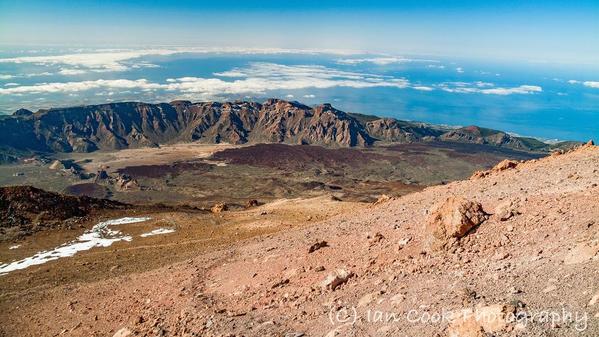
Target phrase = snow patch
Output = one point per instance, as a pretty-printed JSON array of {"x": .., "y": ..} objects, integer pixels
[
  {"x": 99, "y": 236},
  {"x": 14, "y": 247},
  {"x": 158, "y": 231}
]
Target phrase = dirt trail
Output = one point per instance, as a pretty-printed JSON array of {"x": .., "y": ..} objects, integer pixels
[{"x": 531, "y": 266}]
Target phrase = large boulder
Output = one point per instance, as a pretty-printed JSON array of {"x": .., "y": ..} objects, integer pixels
[{"x": 453, "y": 220}]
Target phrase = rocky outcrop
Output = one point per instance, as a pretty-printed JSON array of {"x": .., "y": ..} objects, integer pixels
[
  {"x": 504, "y": 165},
  {"x": 453, "y": 220},
  {"x": 25, "y": 209},
  {"x": 393, "y": 130},
  {"x": 131, "y": 124},
  {"x": 478, "y": 135}
]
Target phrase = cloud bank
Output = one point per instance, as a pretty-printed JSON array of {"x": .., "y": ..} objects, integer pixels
[
  {"x": 114, "y": 60},
  {"x": 381, "y": 61},
  {"x": 487, "y": 88},
  {"x": 256, "y": 78}
]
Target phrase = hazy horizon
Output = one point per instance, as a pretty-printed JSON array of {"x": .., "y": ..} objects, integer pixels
[{"x": 547, "y": 31}]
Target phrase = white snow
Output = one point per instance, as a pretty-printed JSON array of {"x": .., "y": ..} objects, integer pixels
[
  {"x": 99, "y": 236},
  {"x": 158, "y": 231},
  {"x": 14, "y": 247}
]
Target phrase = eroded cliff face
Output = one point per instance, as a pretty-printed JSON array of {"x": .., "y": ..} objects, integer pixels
[
  {"x": 127, "y": 125},
  {"x": 132, "y": 124}
]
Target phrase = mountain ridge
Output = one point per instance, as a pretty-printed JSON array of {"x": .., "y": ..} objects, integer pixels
[{"x": 115, "y": 126}]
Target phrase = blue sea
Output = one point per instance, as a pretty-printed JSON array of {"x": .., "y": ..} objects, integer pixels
[{"x": 547, "y": 101}]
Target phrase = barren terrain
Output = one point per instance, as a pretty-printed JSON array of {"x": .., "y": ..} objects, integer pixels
[{"x": 525, "y": 267}]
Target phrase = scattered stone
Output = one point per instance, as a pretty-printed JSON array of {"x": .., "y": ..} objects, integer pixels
[
  {"x": 382, "y": 199},
  {"x": 317, "y": 246},
  {"x": 594, "y": 300},
  {"x": 280, "y": 283},
  {"x": 334, "y": 280},
  {"x": 251, "y": 203},
  {"x": 479, "y": 175},
  {"x": 507, "y": 210},
  {"x": 123, "y": 332},
  {"x": 505, "y": 164},
  {"x": 453, "y": 220},
  {"x": 377, "y": 237},
  {"x": 404, "y": 242},
  {"x": 583, "y": 252},
  {"x": 319, "y": 269},
  {"x": 549, "y": 289},
  {"x": 219, "y": 208}
]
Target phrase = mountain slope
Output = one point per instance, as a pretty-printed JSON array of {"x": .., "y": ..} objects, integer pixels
[
  {"x": 528, "y": 267},
  {"x": 130, "y": 125}
]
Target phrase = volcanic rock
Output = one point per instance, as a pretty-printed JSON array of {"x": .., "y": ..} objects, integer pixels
[
  {"x": 28, "y": 208},
  {"x": 453, "y": 220},
  {"x": 219, "y": 208},
  {"x": 317, "y": 246},
  {"x": 337, "y": 278}
]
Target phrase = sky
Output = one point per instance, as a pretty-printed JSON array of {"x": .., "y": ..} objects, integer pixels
[{"x": 555, "y": 32}]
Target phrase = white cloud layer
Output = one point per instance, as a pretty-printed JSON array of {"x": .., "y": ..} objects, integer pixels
[
  {"x": 113, "y": 60},
  {"x": 487, "y": 88},
  {"x": 256, "y": 78},
  {"x": 589, "y": 84},
  {"x": 381, "y": 61},
  {"x": 69, "y": 87}
]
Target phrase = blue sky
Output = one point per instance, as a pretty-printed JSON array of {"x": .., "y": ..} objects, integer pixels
[{"x": 523, "y": 31}]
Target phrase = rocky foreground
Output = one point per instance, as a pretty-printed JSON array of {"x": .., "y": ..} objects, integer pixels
[{"x": 511, "y": 252}]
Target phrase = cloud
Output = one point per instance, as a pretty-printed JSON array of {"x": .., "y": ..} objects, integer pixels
[
  {"x": 381, "y": 61},
  {"x": 11, "y": 84},
  {"x": 257, "y": 78},
  {"x": 487, "y": 88},
  {"x": 523, "y": 89},
  {"x": 435, "y": 66},
  {"x": 116, "y": 60},
  {"x": 96, "y": 62},
  {"x": 290, "y": 96},
  {"x": 423, "y": 88},
  {"x": 309, "y": 96},
  {"x": 69, "y": 87},
  {"x": 459, "y": 70},
  {"x": 589, "y": 84},
  {"x": 6, "y": 77},
  {"x": 69, "y": 72}
]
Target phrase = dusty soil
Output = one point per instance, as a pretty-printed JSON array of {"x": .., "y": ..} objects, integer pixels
[{"x": 537, "y": 260}]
